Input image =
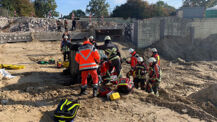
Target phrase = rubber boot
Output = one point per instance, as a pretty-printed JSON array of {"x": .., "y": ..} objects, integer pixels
[
  {"x": 83, "y": 90},
  {"x": 95, "y": 90}
]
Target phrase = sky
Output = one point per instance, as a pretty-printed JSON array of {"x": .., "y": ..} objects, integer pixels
[{"x": 66, "y": 6}]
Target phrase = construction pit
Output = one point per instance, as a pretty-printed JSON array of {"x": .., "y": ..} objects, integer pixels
[{"x": 187, "y": 91}]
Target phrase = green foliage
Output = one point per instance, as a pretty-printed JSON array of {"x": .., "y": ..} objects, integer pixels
[
  {"x": 140, "y": 9},
  {"x": 199, "y": 3},
  {"x": 77, "y": 13},
  {"x": 22, "y": 7},
  {"x": 44, "y": 7},
  {"x": 98, "y": 8}
]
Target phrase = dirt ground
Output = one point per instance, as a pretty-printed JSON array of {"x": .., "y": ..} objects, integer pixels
[{"x": 187, "y": 94}]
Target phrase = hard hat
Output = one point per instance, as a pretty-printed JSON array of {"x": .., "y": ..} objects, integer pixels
[
  {"x": 131, "y": 50},
  {"x": 91, "y": 37},
  {"x": 152, "y": 60},
  {"x": 140, "y": 59},
  {"x": 107, "y": 38},
  {"x": 66, "y": 37},
  {"x": 154, "y": 50}
]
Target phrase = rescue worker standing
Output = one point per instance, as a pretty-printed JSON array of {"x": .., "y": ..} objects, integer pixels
[
  {"x": 154, "y": 76},
  {"x": 155, "y": 55},
  {"x": 132, "y": 62},
  {"x": 88, "y": 58},
  {"x": 113, "y": 55},
  {"x": 65, "y": 24},
  {"x": 140, "y": 74},
  {"x": 64, "y": 48}
]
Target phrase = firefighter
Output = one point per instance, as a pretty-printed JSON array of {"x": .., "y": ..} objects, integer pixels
[
  {"x": 66, "y": 34},
  {"x": 64, "y": 48},
  {"x": 113, "y": 55},
  {"x": 132, "y": 62},
  {"x": 66, "y": 25},
  {"x": 154, "y": 76},
  {"x": 155, "y": 55},
  {"x": 92, "y": 40},
  {"x": 140, "y": 73},
  {"x": 88, "y": 59}
]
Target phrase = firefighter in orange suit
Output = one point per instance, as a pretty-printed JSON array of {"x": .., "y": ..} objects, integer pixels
[{"x": 88, "y": 59}]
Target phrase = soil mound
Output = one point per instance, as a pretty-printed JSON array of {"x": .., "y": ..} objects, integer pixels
[
  {"x": 196, "y": 50},
  {"x": 206, "y": 95}
]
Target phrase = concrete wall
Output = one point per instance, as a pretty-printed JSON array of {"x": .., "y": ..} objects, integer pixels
[
  {"x": 152, "y": 30},
  {"x": 41, "y": 36},
  {"x": 148, "y": 32},
  {"x": 15, "y": 37},
  {"x": 204, "y": 27}
]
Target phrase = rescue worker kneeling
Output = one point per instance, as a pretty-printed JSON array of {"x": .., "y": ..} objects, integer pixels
[
  {"x": 88, "y": 59},
  {"x": 154, "y": 76},
  {"x": 140, "y": 74}
]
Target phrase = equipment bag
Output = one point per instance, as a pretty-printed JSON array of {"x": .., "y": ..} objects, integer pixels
[
  {"x": 66, "y": 111},
  {"x": 104, "y": 90},
  {"x": 125, "y": 85}
]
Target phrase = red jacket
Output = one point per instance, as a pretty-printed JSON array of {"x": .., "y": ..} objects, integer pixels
[
  {"x": 133, "y": 60},
  {"x": 87, "y": 56}
]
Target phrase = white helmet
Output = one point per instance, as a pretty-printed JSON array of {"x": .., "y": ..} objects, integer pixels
[
  {"x": 66, "y": 37},
  {"x": 154, "y": 50},
  {"x": 152, "y": 60},
  {"x": 107, "y": 38},
  {"x": 91, "y": 37},
  {"x": 131, "y": 50},
  {"x": 140, "y": 59}
]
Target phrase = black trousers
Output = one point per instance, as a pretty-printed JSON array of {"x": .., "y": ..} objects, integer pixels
[
  {"x": 138, "y": 81},
  {"x": 117, "y": 64},
  {"x": 66, "y": 55},
  {"x": 154, "y": 85}
]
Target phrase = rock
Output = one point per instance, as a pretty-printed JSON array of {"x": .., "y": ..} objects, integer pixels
[
  {"x": 184, "y": 111},
  {"x": 179, "y": 60},
  {"x": 170, "y": 64},
  {"x": 4, "y": 102},
  {"x": 30, "y": 89}
]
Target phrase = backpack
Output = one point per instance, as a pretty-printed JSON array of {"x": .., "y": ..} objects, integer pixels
[
  {"x": 125, "y": 85},
  {"x": 66, "y": 111}
]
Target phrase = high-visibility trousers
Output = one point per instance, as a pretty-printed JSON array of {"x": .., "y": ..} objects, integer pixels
[{"x": 84, "y": 75}]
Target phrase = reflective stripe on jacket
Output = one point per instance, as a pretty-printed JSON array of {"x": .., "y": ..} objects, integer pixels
[
  {"x": 141, "y": 71},
  {"x": 87, "y": 56},
  {"x": 157, "y": 57}
]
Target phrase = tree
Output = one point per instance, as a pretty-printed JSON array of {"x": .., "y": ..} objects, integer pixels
[
  {"x": 132, "y": 9},
  {"x": 22, "y": 7},
  {"x": 199, "y": 3},
  {"x": 77, "y": 13},
  {"x": 45, "y": 7},
  {"x": 98, "y": 8},
  {"x": 162, "y": 9},
  {"x": 140, "y": 9}
]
